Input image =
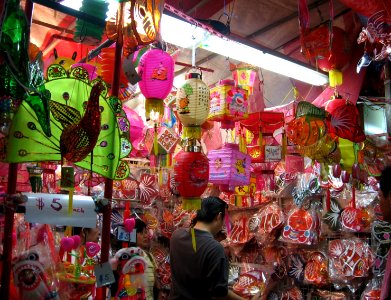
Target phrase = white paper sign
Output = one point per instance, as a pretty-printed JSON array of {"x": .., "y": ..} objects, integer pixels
[
  {"x": 103, "y": 274},
  {"x": 272, "y": 153},
  {"x": 126, "y": 236},
  {"x": 53, "y": 209}
]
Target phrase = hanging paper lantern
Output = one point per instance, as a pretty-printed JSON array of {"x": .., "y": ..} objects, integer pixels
[
  {"x": 191, "y": 173},
  {"x": 87, "y": 32},
  {"x": 244, "y": 76},
  {"x": 345, "y": 120},
  {"x": 229, "y": 166},
  {"x": 156, "y": 70},
  {"x": 139, "y": 25},
  {"x": 192, "y": 103},
  {"x": 227, "y": 104},
  {"x": 331, "y": 54}
]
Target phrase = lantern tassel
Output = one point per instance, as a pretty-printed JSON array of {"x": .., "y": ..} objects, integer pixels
[
  {"x": 191, "y": 132},
  {"x": 284, "y": 146},
  {"x": 155, "y": 143},
  {"x": 193, "y": 203},
  {"x": 335, "y": 78},
  {"x": 153, "y": 104}
]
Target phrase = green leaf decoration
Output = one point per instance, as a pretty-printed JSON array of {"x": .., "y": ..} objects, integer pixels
[
  {"x": 69, "y": 95},
  {"x": 64, "y": 114}
]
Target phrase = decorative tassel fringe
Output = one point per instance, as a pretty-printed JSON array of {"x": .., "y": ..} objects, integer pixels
[
  {"x": 193, "y": 132},
  {"x": 193, "y": 203},
  {"x": 335, "y": 78},
  {"x": 155, "y": 143},
  {"x": 153, "y": 104}
]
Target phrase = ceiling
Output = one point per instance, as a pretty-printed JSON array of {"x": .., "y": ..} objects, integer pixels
[{"x": 271, "y": 24}]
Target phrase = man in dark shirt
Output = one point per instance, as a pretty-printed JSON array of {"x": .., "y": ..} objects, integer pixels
[{"x": 199, "y": 265}]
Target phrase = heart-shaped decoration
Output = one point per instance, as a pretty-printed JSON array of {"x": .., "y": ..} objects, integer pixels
[
  {"x": 76, "y": 241},
  {"x": 92, "y": 249},
  {"x": 67, "y": 243},
  {"x": 129, "y": 224}
]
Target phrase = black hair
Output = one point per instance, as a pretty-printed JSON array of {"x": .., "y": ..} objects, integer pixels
[
  {"x": 210, "y": 208},
  {"x": 140, "y": 225},
  {"x": 385, "y": 181}
]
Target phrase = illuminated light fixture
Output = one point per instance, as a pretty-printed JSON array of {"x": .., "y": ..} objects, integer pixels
[{"x": 183, "y": 34}]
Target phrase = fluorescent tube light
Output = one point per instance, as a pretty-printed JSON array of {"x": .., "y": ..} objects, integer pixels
[{"x": 185, "y": 35}]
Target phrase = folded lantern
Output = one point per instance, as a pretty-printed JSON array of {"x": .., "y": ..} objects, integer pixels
[{"x": 228, "y": 103}]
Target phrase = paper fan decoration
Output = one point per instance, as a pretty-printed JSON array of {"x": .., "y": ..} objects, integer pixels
[
  {"x": 72, "y": 90},
  {"x": 147, "y": 188}
]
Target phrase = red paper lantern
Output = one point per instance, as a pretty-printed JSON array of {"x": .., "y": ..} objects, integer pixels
[
  {"x": 316, "y": 44},
  {"x": 156, "y": 70},
  {"x": 191, "y": 173}
]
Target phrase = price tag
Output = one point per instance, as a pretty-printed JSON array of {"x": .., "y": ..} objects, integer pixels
[
  {"x": 125, "y": 236},
  {"x": 104, "y": 274},
  {"x": 53, "y": 209},
  {"x": 273, "y": 153}
]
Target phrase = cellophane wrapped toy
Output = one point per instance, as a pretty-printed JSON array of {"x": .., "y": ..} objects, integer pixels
[
  {"x": 349, "y": 259},
  {"x": 372, "y": 290},
  {"x": 251, "y": 281},
  {"x": 35, "y": 269},
  {"x": 131, "y": 266},
  {"x": 265, "y": 223}
]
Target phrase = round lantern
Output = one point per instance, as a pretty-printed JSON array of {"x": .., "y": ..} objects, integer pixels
[
  {"x": 156, "y": 70},
  {"x": 192, "y": 103},
  {"x": 191, "y": 174},
  {"x": 331, "y": 54}
]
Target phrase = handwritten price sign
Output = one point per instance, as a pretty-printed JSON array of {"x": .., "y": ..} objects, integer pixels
[
  {"x": 272, "y": 153},
  {"x": 53, "y": 209}
]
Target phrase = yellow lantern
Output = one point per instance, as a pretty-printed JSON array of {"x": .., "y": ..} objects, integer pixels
[{"x": 192, "y": 103}]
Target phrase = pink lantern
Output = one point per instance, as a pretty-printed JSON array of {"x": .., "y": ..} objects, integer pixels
[
  {"x": 229, "y": 166},
  {"x": 156, "y": 70},
  {"x": 244, "y": 76},
  {"x": 228, "y": 103}
]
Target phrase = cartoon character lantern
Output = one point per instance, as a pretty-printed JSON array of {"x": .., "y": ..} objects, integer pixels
[
  {"x": 191, "y": 173},
  {"x": 192, "y": 103},
  {"x": 156, "y": 70},
  {"x": 229, "y": 166},
  {"x": 228, "y": 103}
]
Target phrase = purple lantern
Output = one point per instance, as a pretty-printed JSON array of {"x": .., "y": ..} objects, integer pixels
[
  {"x": 229, "y": 167},
  {"x": 156, "y": 70}
]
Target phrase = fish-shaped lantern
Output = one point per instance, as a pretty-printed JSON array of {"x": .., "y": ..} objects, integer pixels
[{"x": 80, "y": 134}]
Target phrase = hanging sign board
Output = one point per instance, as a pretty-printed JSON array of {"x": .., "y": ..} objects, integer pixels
[
  {"x": 53, "y": 209},
  {"x": 272, "y": 153}
]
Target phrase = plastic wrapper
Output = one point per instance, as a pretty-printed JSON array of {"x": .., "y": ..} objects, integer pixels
[
  {"x": 381, "y": 242},
  {"x": 265, "y": 223},
  {"x": 251, "y": 280},
  {"x": 349, "y": 259},
  {"x": 163, "y": 268},
  {"x": 316, "y": 269},
  {"x": 238, "y": 233},
  {"x": 293, "y": 293},
  {"x": 275, "y": 259},
  {"x": 301, "y": 227},
  {"x": 296, "y": 265},
  {"x": 356, "y": 219},
  {"x": 330, "y": 295},
  {"x": 35, "y": 270},
  {"x": 372, "y": 290},
  {"x": 307, "y": 186}
]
